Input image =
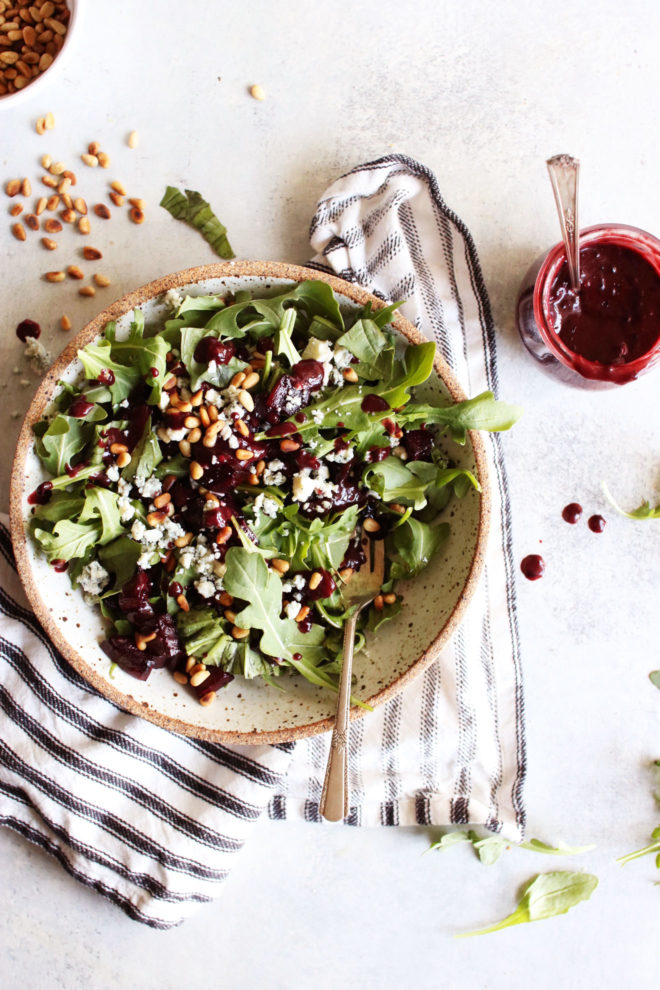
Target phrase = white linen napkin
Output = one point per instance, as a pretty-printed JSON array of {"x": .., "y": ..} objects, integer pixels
[{"x": 152, "y": 819}]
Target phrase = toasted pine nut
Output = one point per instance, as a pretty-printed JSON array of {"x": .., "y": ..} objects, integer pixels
[
  {"x": 184, "y": 447},
  {"x": 41, "y": 205},
  {"x": 202, "y": 412},
  {"x": 230, "y": 616},
  {"x": 211, "y": 435},
  {"x": 53, "y": 202},
  {"x": 197, "y": 398},
  {"x": 346, "y": 573},
  {"x": 244, "y": 455},
  {"x": 74, "y": 272},
  {"x": 238, "y": 379},
  {"x": 350, "y": 374},
  {"x": 184, "y": 541},
  {"x": 65, "y": 322},
  {"x": 16, "y": 209},
  {"x": 371, "y": 525},
  {"x": 195, "y": 435},
  {"x": 101, "y": 280},
  {"x": 118, "y": 448},
  {"x": 207, "y": 699},
  {"x": 90, "y": 160},
  {"x": 179, "y": 677},
  {"x": 13, "y": 187},
  {"x": 190, "y": 422},
  {"x": 93, "y": 254},
  {"x": 315, "y": 581},
  {"x": 242, "y": 428},
  {"x": 239, "y": 633},
  {"x": 223, "y": 535},
  {"x": 118, "y": 187},
  {"x": 18, "y": 230},
  {"x": 133, "y": 139},
  {"x": 288, "y": 446},
  {"x": 26, "y": 187},
  {"x": 389, "y": 599},
  {"x": 396, "y": 507},
  {"x": 117, "y": 199},
  {"x": 46, "y": 161},
  {"x": 191, "y": 662},
  {"x": 93, "y": 147},
  {"x": 280, "y": 565},
  {"x": 137, "y": 203},
  {"x": 251, "y": 380},
  {"x": 84, "y": 225},
  {"x": 214, "y": 415},
  {"x": 199, "y": 677},
  {"x": 40, "y": 126},
  {"x": 52, "y": 226},
  {"x": 68, "y": 215},
  {"x": 68, "y": 174},
  {"x": 182, "y": 602},
  {"x": 196, "y": 470},
  {"x": 378, "y": 603},
  {"x": 246, "y": 400},
  {"x": 103, "y": 159},
  {"x": 80, "y": 205},
  {"x": 162, "y": 499},
  {"x": 260, "y": 467},
  {"x": 49, "y": 121},
  {"x": 136, "y": 215},
  {"x": 87, "y": 290},
  {"x": 124, "y": 460},
  {"x": 55, "y": 276},
  {"x": 226, "y": 599},
  {"x": 49, "y": 243},
  {"x": 257, "y": 92},
  {"x": 212, "y": 501},
  {"x": 56, "y": 168},
  {"x": 32, "y": 221},
  {"x": 102, "y": 211},
  {"x": 303, "y": 613}
]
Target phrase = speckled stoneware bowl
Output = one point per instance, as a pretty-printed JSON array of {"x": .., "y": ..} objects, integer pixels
[{"x": 251, "y": 711}]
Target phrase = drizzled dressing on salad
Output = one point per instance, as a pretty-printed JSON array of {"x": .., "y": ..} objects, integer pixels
[{"x": 211, "y": 485}]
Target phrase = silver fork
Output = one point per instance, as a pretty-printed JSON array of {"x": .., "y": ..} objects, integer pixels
[{"x": 364, "y": 587}]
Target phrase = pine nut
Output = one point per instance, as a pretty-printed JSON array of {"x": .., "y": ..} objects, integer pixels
[
  {"x": 13, "y": 187},
  {"x": 49, "y": 181},
  {"x": 378, "y": 603},
  {"x": 230, "y": 616},
  {"x": 396, "y": 507},
  {"x": 251, "y": 380},
  {"x": 190, "y": 422},
  {"x": 49, "y": 243},
  {"x": 90, "y": 160},
  {"x": 40, "y": 125},
  {"x": 238, "y": 379},
  {"x": 137, "y": 203},
  {"x": 196, "y": 470},
  {"x": 93, "y": 147},
  {"x": 64, "y": 186},
  {"x": 74, "y": 272},
  {"x": 55, "y": 276},
  {"x": 214, "y": 415},
  {"x": 49, "y": 121},
  {"x": 203, "y": 414},
  {"x": 56, "y": 168},
  {"x": 223, "y": 535},
  {"x": 80, "y": 205},
  {"x": 288, "y": 446},
  {"x": 162, "y": 499},
  {"x": 118, "y": 448},
  {"x": 207, "y": 699},
  {"x": 243, "y": 455},
  {"x": 123, "y": 460},
  {"x": 182, "y": 602},
  {"x": 350, "y": 374},
  {"x": 179, "y": 677},
  {"x": 389, "y": 599},
  {"x": 226, "y": 599},
  {"x": 315, "y": 581},
  {"x": 68, "y": 215},
  {"x": 212, "y": 501},
  {"x": 18, "y": 230},
  {"x": 32, "y": 221},
  {"x": 102, "y": 211},
  {"x": 53, "y": 202},
  {"x": 242, "y": 428},
  {"x": 68, "y": 174},
  {"x": 261, "y": 467},
  {"x": 46, "y": 161},
  {"x": 303, "y": 613},
  {"x": 197, "y": 398},
  {"x": 346, "y": 573},
  {"x": 52, "y": 226},
  {"x": 87, "y": 290},
  {"x": 136, "y": 215},
  {"x": 199, "y": 677},
  {"x": 257, "y": 92},
  {"x": 191, "y": 663},
  {"x": 133, "y": 139},
  {"x": 211, "y": 435},
  {"x": 117, "y": 199},
  {"x": 184, "y": 447},
  {"x": 195, "y": 435},
  {"x": 184, "y": 541},
  {"x": 65, "y": 322},
  {"x": 41, "y": 205},
  {"x": 371, "y": 525},
  {"x": 246, "y": 400},
  {"x": 16, "y": 209},
  {"x": 280, "y": 565},
  {"x": 118, "y": 187},
  {"x": 239, "y": 633},
  {"x": 101, "y": 280},
  {"x": 103, "y": 159},
  {"x": 84, "y": 225},
  {"x": 26, "y": 187}
]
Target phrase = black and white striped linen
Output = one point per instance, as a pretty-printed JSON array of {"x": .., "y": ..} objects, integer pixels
[
  {"x": 153, "y": 820},
  {"x": 451, "y": 747}
]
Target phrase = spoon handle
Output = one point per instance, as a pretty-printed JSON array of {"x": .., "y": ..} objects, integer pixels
[{"x": 564, "y": 175}]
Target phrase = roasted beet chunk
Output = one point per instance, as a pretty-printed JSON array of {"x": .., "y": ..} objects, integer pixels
[
  {"x": 211, "y": 349},
  {"x": 134, "y": 599},
  {"x": 164, "y": 650},
  {"x": 217, "y": 679},
  {"x": 126, "y": 655},
  {"x": 292, "y": 392},
  {"x": 418, "y": 445}
]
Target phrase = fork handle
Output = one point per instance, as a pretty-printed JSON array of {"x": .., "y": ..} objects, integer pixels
[{"x": 334, "y": 802}]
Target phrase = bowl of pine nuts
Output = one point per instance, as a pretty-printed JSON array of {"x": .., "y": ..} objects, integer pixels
[{"x": 35, "y": 39}]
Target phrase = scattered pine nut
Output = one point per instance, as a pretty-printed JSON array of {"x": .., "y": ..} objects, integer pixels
[
  {"x": 49, "y": 180},
  {"x": 93, "y": 147},
  {"x": 103, "y": 159},
  {"x": 243, "y": 455},
  {"x": 68, "y": 216},
  {"x": 389, "y": 599},
  {"x": 90, "y": 160},
  {"x": 52, "y": 226},
  {"x": 32, "y": 221},
  {"x": 119, "y": 188},
  {"x": 49, "y": 243},
  {"x": 251, "y": 380},
  {"x": 49, "y": 120},
  {"x": 346, "y": 573},
  {"x": 80, "y": 205},
  {"x": 371, "y": 525},
  {"x": 56, "y": 168},
  {"x": 239, "y": 633},
  {"x": 26, "y": 187},
  {"x": 46, "y": 161},
  {"x": 91, "y": 253},
  {"x": 378, "y": 603},
  {"x": 182, "y": 602},
  {"x": 87, "y": 290},
  {"x": 18, "y": 230},
  {"x": 280, "y": 565},
  {"x": 123, "y": 460},
  {"x": 103, "y": 281},
  {"x": 53, "y": 202},
  {"x": 257, "y": 92},
  {"x": 102, "y": 211},
  {"x": 350, "y": 374},
  {"x": 55, "y": 276},
  {"x": 13, "y": 187},
  {"x": 179, "y": 677},
  {"x": 68, "y": 174},
  {"x": 207, "y": 699},
  {"x": 246, "y": 400},
  {"x": 84, "y": 225},
  {"x": 136, "y": 215},
  {"x": 16, "y": 209},
  {"x": 65, "y": 322},
  {"x": 196, "y": 470},
  {"x": 117, "y": 199},
  {"x": 74, "y": 272},
  {"x": 41, "y": 205},
  {"x": 40, "y": 126},
  {"x": 133, "y": 139},
  {"x": 64, "y": 186}
]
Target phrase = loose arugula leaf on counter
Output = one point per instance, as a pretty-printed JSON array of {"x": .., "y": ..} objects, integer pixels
[
  {"x": 547, "y": 896},
  {"x": 653, "y": 847},
  {"x": 643, "y": 511},
  {"x": 489, "y": 848},
  {"x": 654, "y": 678},
  {"x": 193, "y": 209}
]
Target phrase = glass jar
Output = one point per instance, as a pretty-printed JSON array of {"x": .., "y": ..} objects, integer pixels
[{"x": 536, "y": 321}]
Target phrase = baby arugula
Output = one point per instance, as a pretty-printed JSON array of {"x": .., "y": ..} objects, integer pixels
[
  {"x": 546, "y": 896},
  {"x": 192, "y": 208},
  {"x": 489, "y": 848},
  {"x": 643, "y": 511}
]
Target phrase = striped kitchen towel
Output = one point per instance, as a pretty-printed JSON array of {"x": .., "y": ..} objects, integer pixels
[{"x": 152, "y": 820}]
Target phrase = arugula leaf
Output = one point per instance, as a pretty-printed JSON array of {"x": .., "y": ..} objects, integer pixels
[
  {"x": 68, "y": 539},
  {"x": 366, "y": 341},
  {"x": 97, "y": 357},
  {"x": 489, "y": 848},
  {"x": 219, "y": 375},
  {"x": 283, "y": 344},
  {"x": 561, "y": 849},
  {"x": 120, "y": 557},
  {"x": 546, "y": 896},
  {"x": 148, "y": 355},
  {"x": 193, "y": 209},
  {"x": 654, "y": 678},
  {"x": 65, "y": 437},
  {"x": 411, "y": 546},
  {"x": 449, "y": 839},
  {"x": 653, "y": 847},
  {"x": 146, "y": 455},
  {"x": 60, "y": 505},
  {"x": 248, "y": 577},
  {"x": 102, "y": 503},
  {"x": 643, "y": 511},
  {"x": 483, "y": 412}
]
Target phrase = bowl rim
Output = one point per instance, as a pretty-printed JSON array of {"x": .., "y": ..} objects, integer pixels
[
  {"x": 44, "y": 394},
  {"x": 38, "y": 84}
]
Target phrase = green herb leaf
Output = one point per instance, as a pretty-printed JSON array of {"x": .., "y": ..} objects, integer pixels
[
  {"x": 483, "y": 412},
  {"x": 654, "y": 678},
  {"x": 643, "y": 511},
  {"x": 548, "y": 895},
  {"x": 68, "y": 539},
  {"x": 449, "y": 839},
  {"x": 192, "y": 208},
  {"x": 97, "y": 357},
  {"x": 120, "y": 558},
  {"x": 101, "y": 503},
  {"x": 411, "y": 546},
  {"x": 536, "y": 845},
  {"x": 63, "y": 439},
  {"x": 653, "y": 847}
]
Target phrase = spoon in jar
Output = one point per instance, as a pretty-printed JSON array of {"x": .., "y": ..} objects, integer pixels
[{"x": 564, "y": 175}]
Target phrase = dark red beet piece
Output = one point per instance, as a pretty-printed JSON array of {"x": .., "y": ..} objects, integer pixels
[
  {"x": 211, "y": 349},
  {"x": 134, "y": 599},
  {"x": 28, "y": 328},
  {"x": 217, "y": 679},
  {"x": 374, "y": 403},
  {"x": 418, "y": 445}
]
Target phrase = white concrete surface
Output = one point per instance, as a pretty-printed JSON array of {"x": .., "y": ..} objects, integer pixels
[{"x": 482, "y": 93}]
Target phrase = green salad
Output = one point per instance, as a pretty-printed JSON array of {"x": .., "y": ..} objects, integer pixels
[{"x": 211, "y": 484}]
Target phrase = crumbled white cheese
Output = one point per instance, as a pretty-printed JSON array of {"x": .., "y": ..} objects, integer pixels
[
  {"x": 302, "y": 486},
  {"x": 173, "y": 299},
  {"x": 343, "y": 357},
  {"x": 39, "y": 358},
  {"x": 93, "y": 578},
  {"x": 263, "y": 503},
  {"x": 317, "y": 416},
  {"x": 205, "y": 587},
  {"x": 287, "y": 587},
  {"x": 292, "y": 609},
  {"x": 164, "y": 399},
  {"x": 112, "y": 473},
  {"x": 273, "y": 474},
  {"x": 123, "y": 486},
  {"x": 317, "y": 350},
  {"x": 148, "y": 487},
  {"x": 126, "y": 509},
  {"x": 138, "y": 530},
  {"x": 298, "y": 582},
  {"x": 341, "y": 456},
  {"x": 173, "y": 435}
]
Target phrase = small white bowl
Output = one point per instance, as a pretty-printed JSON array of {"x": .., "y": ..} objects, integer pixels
[{"x": 39, "y": 84}]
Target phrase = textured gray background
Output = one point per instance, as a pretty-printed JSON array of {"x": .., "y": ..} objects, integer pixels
[{"x": 482, "y": 93}]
